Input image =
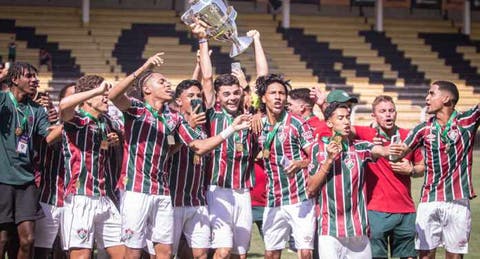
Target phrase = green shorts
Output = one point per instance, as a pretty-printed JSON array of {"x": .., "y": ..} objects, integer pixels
[{"x": 396, "y": 229}]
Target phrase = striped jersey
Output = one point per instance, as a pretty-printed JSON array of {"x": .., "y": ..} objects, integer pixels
[
  {"x": 86, "y": 164},
  {"x": 342, "y": 199},
  {"x": 187, "y": 176},
  {"x": 231, "y": 165},
  {"x": 51, "y": 173},
  {"x": 448, "y": 156},
  {"x": 292, "y": 137},
  {"x": 146, "y": 148}
]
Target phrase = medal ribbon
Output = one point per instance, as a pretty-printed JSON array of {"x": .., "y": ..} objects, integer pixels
[
  {"x": 271, "y": 134},
  {"x": 444, "y": 133},
  {"x": 101, "y": 124},
  {"x": 383, "y": 134},
  {"x": 158, "y": 117},
  {"x": 17, "y": 108}
]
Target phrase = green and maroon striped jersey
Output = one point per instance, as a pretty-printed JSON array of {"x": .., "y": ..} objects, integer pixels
[
  {"x": 231, "y": 165},
  {"x": 51, "y": 173},
  {"x": 86, "y": 164},
  {"x": 187, "y": 172},
  {"x": 448, "y": 155},
  {"x": 292, "y": 136},
  {"x": 342, "y": 199},
  {"x": 146, "y": 148}
]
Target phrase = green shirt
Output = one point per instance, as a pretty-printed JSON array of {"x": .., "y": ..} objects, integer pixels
[{"x": 17, "y": 168}]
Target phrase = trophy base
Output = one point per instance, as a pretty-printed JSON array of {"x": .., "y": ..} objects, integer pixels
[{"x": 240, "y": 45}]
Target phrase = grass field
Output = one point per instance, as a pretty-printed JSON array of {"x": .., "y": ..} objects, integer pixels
[{"x": 257, "y": 247}]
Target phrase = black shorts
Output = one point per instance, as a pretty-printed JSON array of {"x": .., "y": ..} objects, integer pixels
[{"x": 19, "y": 203}]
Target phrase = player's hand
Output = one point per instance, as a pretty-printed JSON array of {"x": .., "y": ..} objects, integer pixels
[
  {"x": 238, "y": 73},
  {"x": 197, "y": 119},
  {"x": 294, "y": 166},
  {"x": 333, "y": 151},
  {"x": 403, "y": 167},
  {"x": 318, "y": 96},
  {"x": 155, "y": 60},
  {"x": 254, "y": 34},
  {"x": 113, "y": 139},
  {"x": 199, "y": 29},
  {"x": 52, "y": 115},
  {"x": 104, "y": 88},
  {"x": 241, "y": 122},
  {"x": 397, "y": 149},
  {"x": 257, "y": 124}
]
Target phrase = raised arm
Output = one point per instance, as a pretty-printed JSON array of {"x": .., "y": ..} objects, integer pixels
[
  {"x": 197, "y": 71},
  {"x": 260, "y": 58},
  {"x": 202, "y": 146},
  {"x": 68, "y": 104},
  {"x": 198, "y": 29},
  {"x": 117, "y": 94}
]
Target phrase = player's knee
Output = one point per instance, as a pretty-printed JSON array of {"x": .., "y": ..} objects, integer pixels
[
  {"x": 223, "y": 253},
  {"x": 305, "y": 253}
]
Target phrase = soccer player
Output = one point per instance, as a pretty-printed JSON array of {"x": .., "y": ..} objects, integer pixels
[
  {"x": 150, "y": 130},
  {"x": 444, "y": 211},
  {"x": 391, "y": 209},
  {"x": 286, "y": 140},
  {"x": 300, "y": 103},
  {"x": 89, "y": 214},
  {"x": 52, "y": 176},
  {"x": 23, "y": 123},
  {"x": 231, "y": 167},
  {"x": 340, "y": 178}
]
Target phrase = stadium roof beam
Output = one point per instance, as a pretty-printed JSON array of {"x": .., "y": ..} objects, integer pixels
[
  {"x": 467, "y": 13},
  {"x": 85, "y": 12},
  {"x": 379, "y": 15},
  {"x": 286, "y": 14}
]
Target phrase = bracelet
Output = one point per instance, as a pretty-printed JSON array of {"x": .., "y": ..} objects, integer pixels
[
  {"x": 200, "y": 41},
  {"x": 227, "y": 132}
]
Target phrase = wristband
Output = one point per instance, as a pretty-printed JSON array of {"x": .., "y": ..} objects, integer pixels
[
  {"x": 227, "y": 132},
  {"x": 200, "y": 41}
]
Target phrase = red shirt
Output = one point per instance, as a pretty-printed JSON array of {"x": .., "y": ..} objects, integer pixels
[
  {"x": 259, "y": 191},
  {"x": 317, "y": 126},
  {"x": 323, "y": 130},
  {"x": 387, "y": 191}
]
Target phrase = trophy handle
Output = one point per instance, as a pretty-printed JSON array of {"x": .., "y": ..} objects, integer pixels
[{"x": 240, "y": 44}]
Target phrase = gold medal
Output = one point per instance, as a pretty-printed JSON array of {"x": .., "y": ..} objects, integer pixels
[
  {"x": 266, "y": 153},
  {"x": 239, "y": 147},
  {"x": 18, "y": 131},
  {"x": 104, "y": 145},
  {"x": 196, "y": 159}
]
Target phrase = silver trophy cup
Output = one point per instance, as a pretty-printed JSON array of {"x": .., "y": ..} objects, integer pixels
[{"x": 220, "y": 19}]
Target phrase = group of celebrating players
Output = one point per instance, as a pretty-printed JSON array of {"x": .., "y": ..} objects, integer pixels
[{"x": 174, "y": 165}]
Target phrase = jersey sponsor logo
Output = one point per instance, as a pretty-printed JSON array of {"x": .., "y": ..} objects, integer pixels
[
  {"x": 308, "y": 135},
  {"x": 430, "y": 137}
]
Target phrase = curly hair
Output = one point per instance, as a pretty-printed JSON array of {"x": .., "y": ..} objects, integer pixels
[
  {"x": 17, "y": 69},
  {"x": 88, "y": 82},
  {"x": 264, "y": 81}
]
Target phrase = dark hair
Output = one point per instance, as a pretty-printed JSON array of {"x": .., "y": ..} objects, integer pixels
[
  {"x": 63, "y": 91},
  {"x": 302, "y": 94},
  {"x": 332, "y": 107},
  {"x": 449, "y": 87},
  {"x": 17, "y": 69},
  {"x": 381, "y": 98},
  {"x": 185, "y": 85},
  {"x": 88, "y": 82},
  {"x": 264, "y": 81},
  {"x": 224, "y": 80},
  {"x": 140, "y": 81}
]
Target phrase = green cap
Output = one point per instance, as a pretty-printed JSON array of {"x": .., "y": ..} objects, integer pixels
[{"x": 340, "y": 96}]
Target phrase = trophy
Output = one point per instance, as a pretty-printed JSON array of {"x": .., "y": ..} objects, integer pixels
[{"x": 220, "y": 19}]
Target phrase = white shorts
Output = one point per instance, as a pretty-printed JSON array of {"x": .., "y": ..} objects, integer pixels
[
  {"x": 296, "y": 219},
  {"x": 48, "y": 227},
  {"x": 230, "y": 218},
  {"x": 87, "y": 218},
  {"x": 443, "y": 223},
  {"x": 344, "y": 247},
  {"x": 194, "y": 223},
  {"x": 146, "y": 216}
]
